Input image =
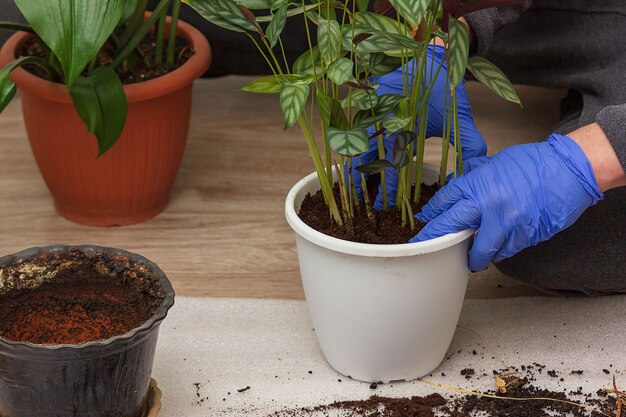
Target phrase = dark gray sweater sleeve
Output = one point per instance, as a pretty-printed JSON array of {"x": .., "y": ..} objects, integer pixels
[
  {"x": 612, "y": 119},
  {"x": 485, "y": 23}
]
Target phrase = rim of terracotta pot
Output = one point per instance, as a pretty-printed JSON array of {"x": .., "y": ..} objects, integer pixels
[
  {"x": 363, "y": 249},
  {"x": 111, "y": 344},
  {"x": 197, "y": 65}
]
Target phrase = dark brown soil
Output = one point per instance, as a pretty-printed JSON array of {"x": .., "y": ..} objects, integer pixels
[
  {"x": 387, "y": 228},
  {"x": 93, "y": 299},
  {"x": 137, "y": 70},
  {"x": 70, "y": 314},
  {"x": 467, "y": 406}
]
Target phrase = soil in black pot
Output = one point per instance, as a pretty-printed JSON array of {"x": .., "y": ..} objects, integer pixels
[
  {"x": 81, "y": 304},
  {"x": 137, "y": 71},
  {"x": 386, "y": 229}
]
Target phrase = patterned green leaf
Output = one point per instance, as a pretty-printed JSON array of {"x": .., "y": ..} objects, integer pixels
[
  {"x": 458, "y": 51},
  {"x": 405, "y": 138},
  {"x": 340, "y": 71},
  {"x": 374, "y": 22},
  {"x": 101, "y": 103},
  {"x": 351, "y": 142},
  {"x": 381, "y": 64},
  {"x": 331, "y": 112},
  {"x": 386, "y": 103},
  {"x": 329, "y": 39},
  {"x": 74, "y": 30},
  {"x": 255, "y": 4},
  {"x": 276, "y": 26},
  {"x": 304, "y": 63},
  {"x": 291, "y": 12},
  {"x": 491, "y": 76},
  {"x": 293, "y": 97},
  {"x": 386, "y": 42},
  {"x": 224, "y": 13},
  {"x": 274, "y": 83},
  {"x": 411, "y": 10},
  {"x": 361, "y": 99},
  {"x": 393, "y": 123},
  {"x": 374, "y": 167}
]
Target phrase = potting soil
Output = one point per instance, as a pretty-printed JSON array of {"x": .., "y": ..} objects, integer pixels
[
  {"x": 386, "y": 229},
  {"x": 71, "y": 314}
]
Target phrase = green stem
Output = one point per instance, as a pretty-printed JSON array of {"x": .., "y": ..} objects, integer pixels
[
  {"x": 443, "y": 168},
  {"x": 40, "y": 62},
  {"x": 139, "y": 34},
  {"x": 160, "y": 34},
  {"x": 457, "y": 138},
  {"x": 134, "y": 23},
  {"x": 324, "y": 179},
  {"x": 171, "y": 40}
]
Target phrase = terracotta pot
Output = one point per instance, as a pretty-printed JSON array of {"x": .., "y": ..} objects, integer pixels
[{"x": 131, "y": 182}]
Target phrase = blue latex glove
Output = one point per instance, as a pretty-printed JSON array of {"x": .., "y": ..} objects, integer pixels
[
  {"x": 472, "y": 141},
  {"x": 522, "y": 196}
]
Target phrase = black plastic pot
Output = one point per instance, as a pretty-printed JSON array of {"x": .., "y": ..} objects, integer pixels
[{"x": 108, "y": 378}]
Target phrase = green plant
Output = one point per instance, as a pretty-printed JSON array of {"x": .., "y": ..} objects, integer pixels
[
  {"x": 84, "y": 42},
  {"x": 337, "y": 77}
]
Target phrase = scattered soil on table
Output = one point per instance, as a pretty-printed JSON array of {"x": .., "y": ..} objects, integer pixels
[
  {"x": 72, "y": 314},
  {"x": 136, "y": 71},
  {"x": 386, "y": 229},
  {"x": 435, "y": 405}
]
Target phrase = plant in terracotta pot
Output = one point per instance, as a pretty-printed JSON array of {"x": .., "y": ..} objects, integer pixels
[
  {"x": 94, "y": 73},
  {"x": 383, "y": 309},
  {"x": 78, "y": 331}
]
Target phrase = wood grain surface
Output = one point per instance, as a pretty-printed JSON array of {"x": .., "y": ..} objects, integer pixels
[{"x": 223, "y": 233}]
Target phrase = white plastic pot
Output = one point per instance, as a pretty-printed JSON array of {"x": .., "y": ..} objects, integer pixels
[{"x": 381, "y": 312}]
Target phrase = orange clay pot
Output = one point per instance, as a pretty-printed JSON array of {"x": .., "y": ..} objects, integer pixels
[{"x": 132, "y": 181}]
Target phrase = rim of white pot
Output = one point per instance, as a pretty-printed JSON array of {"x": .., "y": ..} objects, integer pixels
[{"x": 362, "y": 249}]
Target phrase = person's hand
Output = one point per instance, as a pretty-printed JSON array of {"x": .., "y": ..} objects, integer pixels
[
  {"x": 472, "y": 142},
  {"x": 522, "y": 196}
]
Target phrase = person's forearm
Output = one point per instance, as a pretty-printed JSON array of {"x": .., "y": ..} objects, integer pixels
[{"x": 606, "y": 166}]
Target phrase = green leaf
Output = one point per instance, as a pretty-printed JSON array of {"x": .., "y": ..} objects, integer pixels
[
  {"x": 74, "y": 30},
  {"x": 291, "y": 12},
  {"x": 381, "y": 64},
  {"x": 402, "y": 108},
  {"x": 491, "y": 76},
  {"x": 458, "y": 51},
  {"x": 411, "y": 10},
  {"x": 401, "y": 159},
  {"x": 362, "y": 5},
  {"x": 331, "y": 112},
  {"x": 255, "y": 4},
  {"x": 361, "y": 99},
  {"x": 351, "y": 142},
  {"x": 393, "y": 123},
  {"x": 374, "y": 167},
  {"x": 340, "y": 71},
  {"x": 7, "y": 88},
  {"x": 386, "y": 42},
  {"x": 101, "y": 103},
  {"x": 276, "y": 26},
  {"x": 293, "y": 98},
  {"x": 129, "y": 9},
  {"x": 274, "y": 83},
  {"x": 386, "y": 103},
  {"x": 374, "y": 22},
  {"x": 329, "y": 39},
  {"x": 405, "y": 138},
  {"x": 304, "y": 65},
  {"x": 224, "y": 13}
]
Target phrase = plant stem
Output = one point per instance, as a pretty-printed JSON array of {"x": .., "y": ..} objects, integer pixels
[
  {"x": 457, "y": 138},
  {"x": 171, "y": 40},
  {"x": 139, "y": 34},
  {"x": 134, "y": 23},
  {"x": 160, "y": 34},
  {"x": 40, "y": 62},
  {"x": 324, "y": 179},
  {"x": 443, "y": 168}
]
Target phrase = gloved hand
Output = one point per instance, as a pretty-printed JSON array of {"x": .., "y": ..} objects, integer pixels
[
  {"x": 522, "y": 196},
  {"x": 472, "y": 141}
]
